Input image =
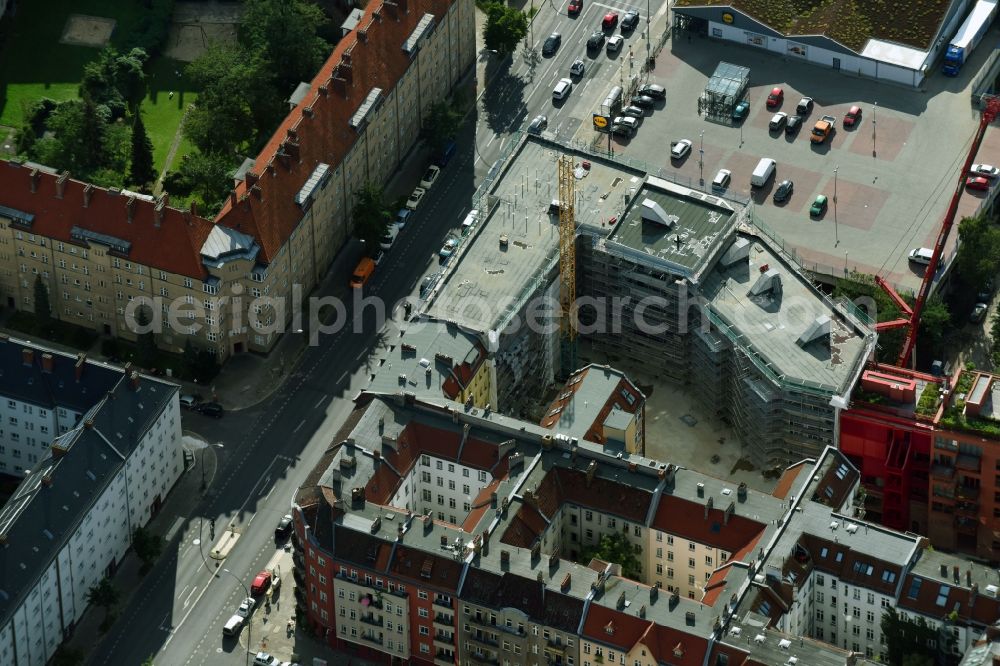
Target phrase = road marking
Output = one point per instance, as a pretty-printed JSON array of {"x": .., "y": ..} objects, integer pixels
[
  {"x": 188, "y": 600},
  {"x": 490, "y": 142},
  {"x": 301, "y": 423},
  {"x": 183, "y": 591},
  {"x": 320, "y": 402},
  {"x": 173, "y": 632},
  {"x": 254, "y": 515}
]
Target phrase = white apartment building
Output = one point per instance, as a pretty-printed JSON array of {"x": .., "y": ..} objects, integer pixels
[{"x": 71, "y": 520}]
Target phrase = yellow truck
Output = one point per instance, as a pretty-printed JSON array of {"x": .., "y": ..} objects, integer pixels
[{"x": 823, "y": 129}]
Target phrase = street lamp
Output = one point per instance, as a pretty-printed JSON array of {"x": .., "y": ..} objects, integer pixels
[
  {"x": 836, "y": 232},
  {"x": 249, "y": 615},
  {"x": 701, "y": 157},
  {"x": 874, "y": 106},
  {"x": 648, "y": 38}
]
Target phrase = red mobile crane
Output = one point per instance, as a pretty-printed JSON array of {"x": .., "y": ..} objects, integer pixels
[{"x": 912, "y": 320}]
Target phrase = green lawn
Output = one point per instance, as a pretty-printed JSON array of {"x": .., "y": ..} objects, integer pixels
[{"x": 33, "y": 64}]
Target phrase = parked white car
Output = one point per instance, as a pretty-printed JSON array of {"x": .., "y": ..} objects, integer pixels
[
  {"x": 415, "y": 198},
  {"x": 562, "y": 89},
  {"x": 680, "y": 149},
  {"x": 430, "y": 177}
]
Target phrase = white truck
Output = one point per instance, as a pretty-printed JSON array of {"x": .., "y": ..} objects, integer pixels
[{"x": 763, "y": 172}]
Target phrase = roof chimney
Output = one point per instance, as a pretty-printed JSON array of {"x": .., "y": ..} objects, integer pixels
[
  {"x": 88, "y": 191},
  {"x": 504, "y": 559},
  {"x": 47, "y": 362},
  {"x": 35, "y": 176},
  {"x": 251, "y": 179},
  {"x": 729, "y": 512},
  {"x": 130, "y": 209},
  {"x": 194, "y": 209},
  {"x": 232, "y": 198},
  {"x": 133, "y": 381},
  {"x": 968, "y": 577},
  {"x": 27, "y": 356},
  {"x": 158, "y": 211},
  {"x": 61, "y": 184},
  {"x": 591, "y": 471},
  {"x": 565, "y": 583},
  {"x": 957, "y": 574},
  {"x": 708, "y": 507},
  {"x": 81, "y": 360}
]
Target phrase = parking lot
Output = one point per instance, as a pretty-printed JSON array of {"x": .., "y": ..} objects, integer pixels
[{"x": 894, "y": 173}]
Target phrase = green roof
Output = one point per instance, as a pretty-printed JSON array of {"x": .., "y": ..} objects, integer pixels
[{"x": 914, "y": 23}]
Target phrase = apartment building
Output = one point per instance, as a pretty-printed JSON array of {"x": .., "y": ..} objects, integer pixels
[
  {"x": 602, "y": 405},
  {"x": 784, "y": 578},
  {"x": 106, "y": 468},
  {"x": 238, "y": 280},
  {"x": 929, "y": 455}
]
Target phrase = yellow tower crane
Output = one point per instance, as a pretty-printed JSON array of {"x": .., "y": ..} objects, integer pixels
[{"x": 567, "y": 263}]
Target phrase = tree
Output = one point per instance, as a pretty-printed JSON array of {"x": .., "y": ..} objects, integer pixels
[
  {"x": 141, "y": 171},
  {"x": 207, "y": 177},
  {"x": 284, "y": 31},
  {"x": 505, "y": 28},
  {"x": 43, "y": 308},
  {"x": 104, "y": 595},
  {"x": 145, "y": 342},
  {"x": 371, "y": 216},
  {"x": 935, "y": 323},
  {"x": 618, "y": 549},
  {"x": 908, "y": 643},
  {"x": 978, "y": 258},
  {"x": 441, "y": 124},
  {"x": 115, "y": 80},
  {"x": 147, "y": 545}
]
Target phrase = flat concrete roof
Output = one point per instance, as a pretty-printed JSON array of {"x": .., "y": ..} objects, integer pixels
[
  {"x": 697, "y": 222},
  {"x": 483, "y": 283},
  {"x": 772, "y": 324}
]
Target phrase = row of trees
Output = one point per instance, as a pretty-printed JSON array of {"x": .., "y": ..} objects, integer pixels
[
  {"x": 99, "y": 137},
  {"x": 243, "y": 88}
]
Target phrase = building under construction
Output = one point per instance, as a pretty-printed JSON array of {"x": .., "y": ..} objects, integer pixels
[{"x": 667, "y": 278}]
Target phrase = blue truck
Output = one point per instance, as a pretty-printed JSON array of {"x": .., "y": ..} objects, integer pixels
[{"x": 968, "y": 36}]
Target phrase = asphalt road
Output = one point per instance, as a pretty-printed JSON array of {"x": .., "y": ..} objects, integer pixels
[{"x": 267, "y": 450}]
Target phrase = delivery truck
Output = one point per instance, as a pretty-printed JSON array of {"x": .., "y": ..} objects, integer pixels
[{"x": 968, "y": 36}]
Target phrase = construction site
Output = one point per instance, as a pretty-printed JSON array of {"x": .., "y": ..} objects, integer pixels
[{"x": 667, "y": 278}]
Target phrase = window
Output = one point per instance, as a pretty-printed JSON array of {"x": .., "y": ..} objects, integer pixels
[
  {"x": 819, "y": 614},
  {"x": 708, "y": 560},
  {"x": 691, "y": 545},
  {"x": 691, "y": 562},
  {"x": 588, "y": 515},
  {"x": 670, "y": 572},
  {"x": 439, "y": 464},
  {"x": 820, "y": 580}
]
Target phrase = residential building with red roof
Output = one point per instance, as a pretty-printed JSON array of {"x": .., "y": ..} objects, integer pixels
[
  {"x": 508, "y": 577},
  {"x": 601, "y": 405},
  {"x": 929, "y": 452},
  {"x": 239, "y": 278}
]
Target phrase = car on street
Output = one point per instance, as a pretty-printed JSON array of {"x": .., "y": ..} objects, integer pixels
[
  {"x": 430, "y": 177},
  {"x": 402, "y": 217},
  {"x": 630, "y": 20},
  {"x": 448, "y": 249},
  {"x": 784, "y": 191},
  {"x": 378, "y": 256},
  {"x": 563, "y": 86},
  {"x": 574, "y": 7},
  {"x": 595, "y": 41},
  {"x": 978, "y": 314},
  {"x": 577, "y": 68},
  {"x": 778, "y": 121},
  {"x": 852, "y": 117},
  {"x": 818, "y": 206},
  {"x": 188, "y": 401},
  {"x": 428, "y": 283},
  {"x": 793, "y": 125},
  {"x": 615, "y": 44},
  {"x": 265, "y": 659},
  {"x": 246, "y": 607},
  {"x": 415, "y": 198},
  {"x": 610, "y": 21},
  {"x": 551, "y": 44},
  {"x": 985, "y": 170},
  {"x": 721, "y": 180},
  {"x": 538, "y": 124},
  {"x": 634, "y": 111},
  {"x": 653, "y": 90},
  {"x": 977, "y": 183},
  {"x": 212, "y": 409},
  {"x": 260, "y": 583},
  {"x": 741, "y": 110},
  {"x": 284, "y": 528},
  {"x": 985, "y": 294},
  {"x": 805, "y": 106},
  {"x": 680, "y": 150},
  {"x": 642, "y": 101},
  {"x": 776, "y": 97},
  {"x": 388, "y": 238}
]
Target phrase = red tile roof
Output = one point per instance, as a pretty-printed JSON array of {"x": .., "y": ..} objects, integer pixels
[
  {"x": 610, "y": 627},
  {"x": 425, "y": 569},
  {"x": 595, "y": 430},
  {"x": 787, "y": 480},
  {"x": 677, "y": 648},
  {"x": 173, "y": 245},
  {"x": 985, "y": 609},
  {"x": 317, "y": 130},
  {"x": 686, "y": 519}
]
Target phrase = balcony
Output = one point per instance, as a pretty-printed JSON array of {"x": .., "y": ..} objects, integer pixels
[
  {"x": 372, "y": 619},
  {"x": 555, "y": 646},
  {"x": 442, "y": 620},
  {"x": 968, "y": 462},
  {"x": 965, "y": 492},
  {"x": 943, "y": 472},
  {"x": 444, "y": 641},
  {"x": 443, "y": 602},
  {"x": 480, "y": 637},
  {"x": 967, "y": 508},
  {"x": 442, "y": 658},
  {"x": 480, "y": 658},
  {"x": 965, "y": 525},
  {"x": 371, "y": 637}
]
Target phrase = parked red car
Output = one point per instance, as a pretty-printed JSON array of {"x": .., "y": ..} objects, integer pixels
[
  {"x": 776, "y": 97},
  {"x": 852, "y": 117},
  {"x": 610, "y": 21},
  {"x": 575, "y": 7},
  {"x": 977, "y": 183},
  {"x": 261, "y": 583}
]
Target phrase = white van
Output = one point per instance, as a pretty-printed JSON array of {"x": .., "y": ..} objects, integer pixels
[
  {"x": 764, "y": 172},
  {"x": 233, "y": 626},
  {"x": 470, "y": 221},
  {"x": 921, "y": 255}
]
